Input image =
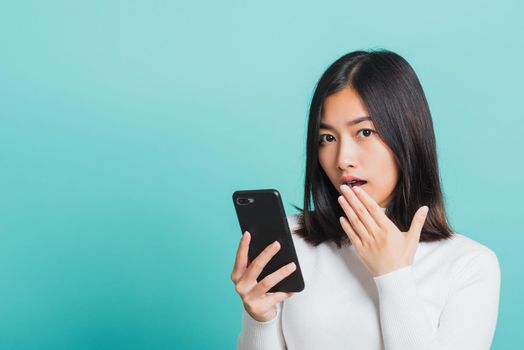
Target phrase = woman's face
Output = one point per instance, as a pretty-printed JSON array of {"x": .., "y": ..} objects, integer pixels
[{"x": 355, "y": 149}]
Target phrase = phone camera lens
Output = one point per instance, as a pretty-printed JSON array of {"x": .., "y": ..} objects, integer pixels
[{"x": 244, "y": 201}]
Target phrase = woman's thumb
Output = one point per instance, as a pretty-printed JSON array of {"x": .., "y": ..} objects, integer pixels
[{"x": 418, "y": 223}]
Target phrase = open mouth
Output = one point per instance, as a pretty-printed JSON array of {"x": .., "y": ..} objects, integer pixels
[{"x": 356, "y": 183}]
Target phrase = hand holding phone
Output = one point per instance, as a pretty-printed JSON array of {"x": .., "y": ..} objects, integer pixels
[
  {"x": 266, "y": 269},
  {"x": 261, "y": 306}
]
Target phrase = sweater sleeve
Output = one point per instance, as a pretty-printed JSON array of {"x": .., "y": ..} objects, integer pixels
[
  {"x": 468, "y": 319},
  {"x": 257, "y": 335}
]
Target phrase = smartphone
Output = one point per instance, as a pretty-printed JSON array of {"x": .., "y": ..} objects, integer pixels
[{"x": 262, "y": 214}]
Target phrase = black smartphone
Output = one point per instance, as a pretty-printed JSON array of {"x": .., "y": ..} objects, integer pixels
[{"x": 262, "y": 214}]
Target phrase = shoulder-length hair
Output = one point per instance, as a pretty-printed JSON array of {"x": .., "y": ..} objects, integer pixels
[{"x": 395, "y": 101}]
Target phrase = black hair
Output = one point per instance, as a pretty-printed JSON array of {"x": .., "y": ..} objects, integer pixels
[{"x": 392, "y": 94}]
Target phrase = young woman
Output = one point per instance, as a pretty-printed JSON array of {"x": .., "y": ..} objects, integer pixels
[{"x": 382, "y": 267}]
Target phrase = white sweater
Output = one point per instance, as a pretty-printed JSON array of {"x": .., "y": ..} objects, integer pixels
[{"x": 447, "y": 299}]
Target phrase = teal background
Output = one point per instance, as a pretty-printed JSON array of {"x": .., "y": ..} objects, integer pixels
[{"x": 127, "y": 125}]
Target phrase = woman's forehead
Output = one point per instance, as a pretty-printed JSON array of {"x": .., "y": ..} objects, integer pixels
[{"x": 344, "y": 104}]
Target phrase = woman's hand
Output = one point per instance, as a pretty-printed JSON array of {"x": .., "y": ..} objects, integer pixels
[
  {"x": 257, "y": 302},
  {"x": 381, "y": 246}
]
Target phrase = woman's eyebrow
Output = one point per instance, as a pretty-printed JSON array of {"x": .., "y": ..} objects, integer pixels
[{"x": 350, "y": 123}]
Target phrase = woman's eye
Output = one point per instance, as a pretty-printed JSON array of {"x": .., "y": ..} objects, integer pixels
[
  {"x": 326, "y": 135},
  {"x": 367, "y": 132}
]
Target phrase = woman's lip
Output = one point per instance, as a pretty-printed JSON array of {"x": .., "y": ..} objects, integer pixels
[{"x": 364, "y": 183}]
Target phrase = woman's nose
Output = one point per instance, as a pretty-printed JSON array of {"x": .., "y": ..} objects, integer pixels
[{"x": 347, "y": 156}]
